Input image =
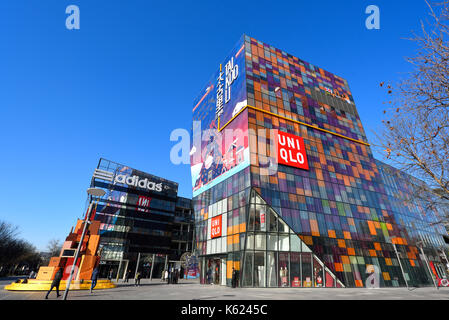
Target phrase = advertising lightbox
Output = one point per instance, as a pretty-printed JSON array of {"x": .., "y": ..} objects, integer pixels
[
  {"x": 291, "y": 150},
  {"x": 215, "y": 230},
  {"x": 220, "y": 146}
]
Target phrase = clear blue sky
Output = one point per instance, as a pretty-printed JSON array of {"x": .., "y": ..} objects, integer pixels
[{"x": 117, "y": 87}]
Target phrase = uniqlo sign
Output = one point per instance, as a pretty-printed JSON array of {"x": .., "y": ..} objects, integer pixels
[
  {"x": 215, "y": 230},
  {"x": 291, "y": 150}
]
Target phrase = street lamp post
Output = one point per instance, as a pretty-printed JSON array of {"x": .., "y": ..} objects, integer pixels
[
  {"x": 93, "y": 192},
  {"x": 400, "y": 264}
]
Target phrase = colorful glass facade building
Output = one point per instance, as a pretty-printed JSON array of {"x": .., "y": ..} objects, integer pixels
[{"x": 286, "y": 189}]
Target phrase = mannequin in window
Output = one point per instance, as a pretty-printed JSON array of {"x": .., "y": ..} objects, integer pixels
[
  {"x": 284, "y": 280},
  {"x": 283, "y": 275}
]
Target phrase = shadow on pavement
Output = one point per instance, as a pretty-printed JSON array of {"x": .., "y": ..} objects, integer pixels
[
  {"x": 153, "y": 284},
  {"x": 12, "y": 278}
]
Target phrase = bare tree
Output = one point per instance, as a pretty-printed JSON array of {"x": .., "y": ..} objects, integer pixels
[
  {"x": 415, "y": 137},
  {"x": 15, "y": 252},
  {"x": 54, "y": 247},
  {"x": 8, "y": 235}
]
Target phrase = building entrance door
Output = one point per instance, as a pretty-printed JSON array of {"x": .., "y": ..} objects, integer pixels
[
  {"x": 108, "y": 269},
  {"x": 213, "y": 274}
]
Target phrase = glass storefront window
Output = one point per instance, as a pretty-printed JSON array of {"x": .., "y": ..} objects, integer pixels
[
  {"x": 284, "y": 244},
  {"x": 273, "y": 241},
  {"x": 283, "y": 226},
  {"x": 250, "y": 241},
  {"x": 242, "y": 241},
  {"x": 259, "y": 200},
  {"x": 272, "y": 221},
  {"x": 295, "y": 269},
  {"x": 247, "y": 270},
  {"x": 252, "y": 217},
  {"x": 330, "y": 281},
  {"x": 295, "y": 243},
  {"x": 305, "y": 248},
  {"x": 317, "y": 273},
  {"x": 271, "y": 269},
  {"x": 259, "y": 269},
  {"x": 306, "y": 259},
  {"x": 284, "y": 269},
  {"x": 260, "y": 241},
  {"x": 259, "y": 217}
]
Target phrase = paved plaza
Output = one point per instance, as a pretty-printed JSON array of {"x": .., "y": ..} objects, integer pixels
[{"x": 192, "y": 290}]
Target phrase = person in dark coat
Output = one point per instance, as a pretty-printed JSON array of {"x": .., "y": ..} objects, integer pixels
[
  {"x": 127, "y": 275},
  {"x": 94, "y": 279},
  {"x": 176, "y": 276},
  {"x": 234, "y": 278},
  {"x": 170, "y": 276},
  {"x": 209, "y": 276},
  {"x": 110, "y": 274},
  {"x": 55, "y": 283}
]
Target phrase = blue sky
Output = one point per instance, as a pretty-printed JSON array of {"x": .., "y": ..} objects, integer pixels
[{"x": 117, "y": 87}]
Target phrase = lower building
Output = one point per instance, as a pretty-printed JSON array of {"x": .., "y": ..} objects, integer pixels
[{"x": 141, "y": 219}]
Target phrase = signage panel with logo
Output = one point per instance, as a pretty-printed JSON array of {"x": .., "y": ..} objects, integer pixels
[
  {"x": 291, "y": 150},
  {"x": 215, "y": 230}
]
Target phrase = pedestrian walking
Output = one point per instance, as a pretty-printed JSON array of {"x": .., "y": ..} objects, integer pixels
[
  {"x": 170, "y": 276},
  {"x": 127, "y": 275},
  {"x": 137, "y": 279},
  {"x": 209, "y": 276},
  {"x": 166, "y": 276},
  {"x": 234, "y": 278},
  {"x": 55, "y": 283},
  {"x": 176, "y": 276},
  {"x": 110, "y": 274},
  {"x": 94, "y": 279}
]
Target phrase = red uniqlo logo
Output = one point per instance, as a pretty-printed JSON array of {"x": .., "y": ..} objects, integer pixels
[
  {"x": 215, "y": 230},
  {"x": 291, "y": 150}
]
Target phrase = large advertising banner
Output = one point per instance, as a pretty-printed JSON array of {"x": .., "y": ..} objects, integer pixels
[{"x": 220, "y": 146}]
